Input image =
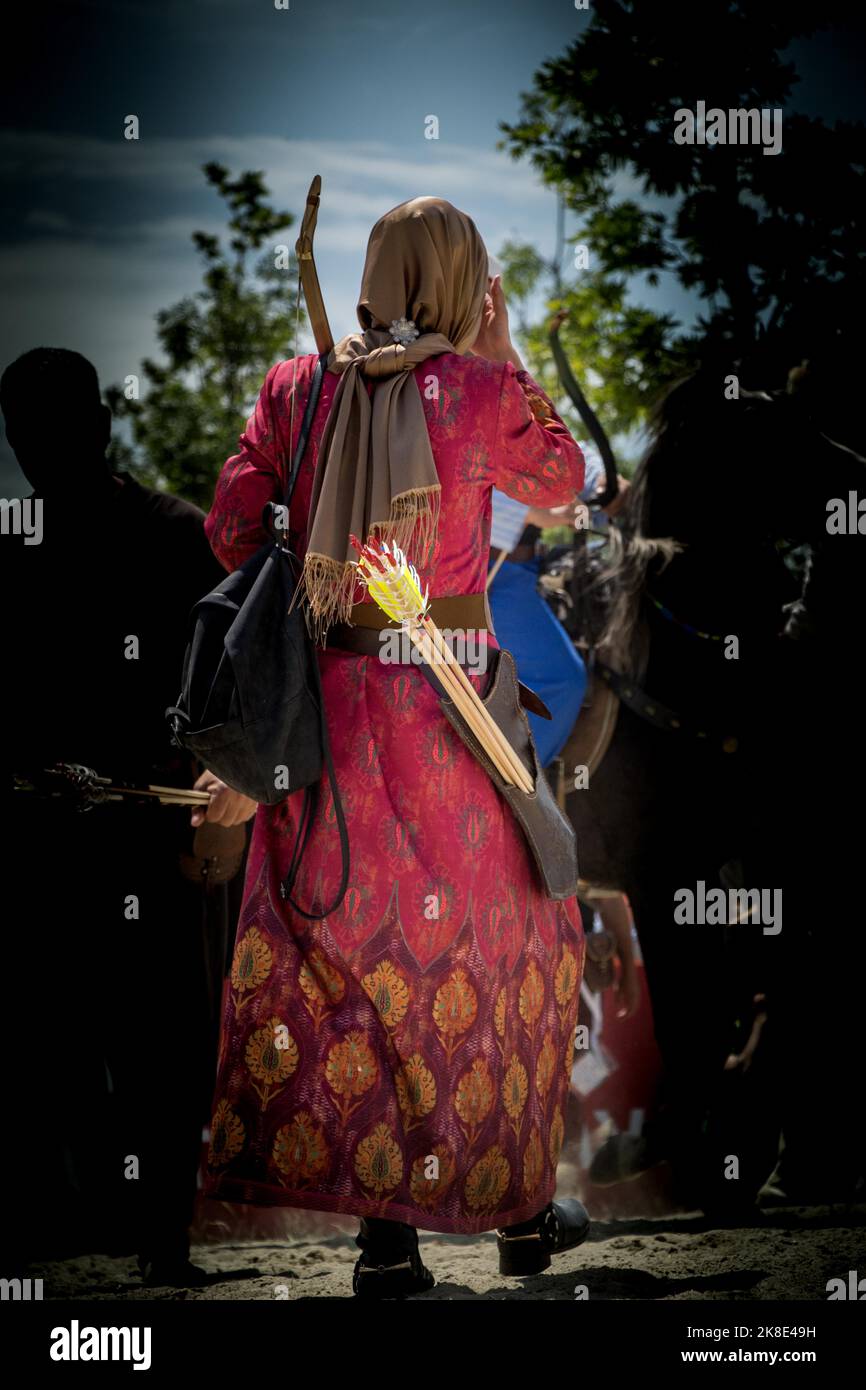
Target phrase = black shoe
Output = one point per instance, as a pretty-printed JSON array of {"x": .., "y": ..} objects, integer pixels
[
  {"x": 390, "y": 1265},
  {"x": 400, "y": 1280},
  {"x": 527, "y": 1247}
]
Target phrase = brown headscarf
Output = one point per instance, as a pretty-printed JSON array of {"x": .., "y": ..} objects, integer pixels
[{"x": 376, "y": 475}]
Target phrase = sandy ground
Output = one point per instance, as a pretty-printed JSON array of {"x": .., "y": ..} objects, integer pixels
[{"x": 788, "y": 1253}]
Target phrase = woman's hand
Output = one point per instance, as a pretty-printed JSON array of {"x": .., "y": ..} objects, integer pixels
[
  {"x": 494, "y": 338},
  {"x": 615, "y": 915},
  {"x": 227, "y": 807},
  {"x": 627, "y": 989},
  {"x": 743, "y": 1060},
  {"x": 616, "y": 505}
]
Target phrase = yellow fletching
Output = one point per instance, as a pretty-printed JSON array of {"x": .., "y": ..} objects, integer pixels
[{"x": 397, "y": 591}]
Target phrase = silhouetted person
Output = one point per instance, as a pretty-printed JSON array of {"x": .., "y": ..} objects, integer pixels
[{"x": 110, "y": 989}]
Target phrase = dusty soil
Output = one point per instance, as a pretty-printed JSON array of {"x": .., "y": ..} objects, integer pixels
[{"x": 788, "y": 1253}]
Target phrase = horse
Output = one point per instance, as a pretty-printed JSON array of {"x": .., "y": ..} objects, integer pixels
[{"x": 730, "y": 605}]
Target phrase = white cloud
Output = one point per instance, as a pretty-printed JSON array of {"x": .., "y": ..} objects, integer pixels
[
  {"x": 356, "y": 170},
  {"x": 361, "y": 180},
  {"x": 93, "y": 284}
]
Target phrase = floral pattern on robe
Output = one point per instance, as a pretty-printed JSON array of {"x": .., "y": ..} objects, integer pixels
[{"x": 408, "y": 1056}]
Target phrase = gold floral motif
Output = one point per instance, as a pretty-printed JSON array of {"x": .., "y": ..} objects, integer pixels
[
  {"x": 350, "y": 1071},
  {"x": 545, "y": 1066},
  {"x": 499, "y": 1018},
  {"x": 542, "y": 411},
  {"x": 416, "y": 1091},
  {"x": 557, "y": 1134},
  {"x": 488, "y": 1180},
  {"x": 531, "y": 998},
  {"x": 379, "y": 1161},
  {"x": 533, "y": 1163},
  {"x": 515, "y": 1089},
  {"x": 226, "y": 1135},
  {"x": 427, "y": 1192},
  {"x": 454, "y": 1009},
  {"x": 271, "y": 1056},
  {"x": 251, "y": 966},
  {"x": 565, "y": 982},
  {"x": 321, "y": 984},
  {"x": 388, "y": 991},
  {"x": 300, "y": 1151},
  {"x": 474, "y": 1098}
]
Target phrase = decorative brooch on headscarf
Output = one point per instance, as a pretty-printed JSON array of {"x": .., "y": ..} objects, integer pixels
[{"x": 403, "y": 331}]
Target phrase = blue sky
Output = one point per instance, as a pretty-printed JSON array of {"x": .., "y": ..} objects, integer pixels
[{"x": 96, "y": 236}]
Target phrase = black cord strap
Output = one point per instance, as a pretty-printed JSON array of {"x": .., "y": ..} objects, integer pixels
[{"x": 311, "y": 793}]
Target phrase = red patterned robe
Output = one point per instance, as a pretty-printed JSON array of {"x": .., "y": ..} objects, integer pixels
[{"x": 408, "y": 1056}]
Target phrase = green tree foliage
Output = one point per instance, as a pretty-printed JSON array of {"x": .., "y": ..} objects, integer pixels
[
  {"x": 218, "y": 344},
  {"x": 768, "y": 242},
  {"x": 619, "y": 351}
]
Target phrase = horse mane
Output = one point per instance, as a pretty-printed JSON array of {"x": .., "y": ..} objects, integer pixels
[
  {"x": 702, "y": 451},
  {"x": 633, "y": 551},
  {"x": 707, "y": 453}
]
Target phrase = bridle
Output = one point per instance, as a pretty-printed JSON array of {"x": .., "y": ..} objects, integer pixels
[{"x": 652, "y": 711}]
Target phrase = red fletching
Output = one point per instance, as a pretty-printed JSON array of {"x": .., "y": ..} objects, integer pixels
[{"x": 368, "y": 554}]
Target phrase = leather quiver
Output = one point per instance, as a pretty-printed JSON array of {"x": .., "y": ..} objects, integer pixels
[{"x": 550, "y": 835}]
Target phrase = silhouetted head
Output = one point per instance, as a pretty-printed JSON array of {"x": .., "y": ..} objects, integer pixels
[{"x": 56, "y": 423}]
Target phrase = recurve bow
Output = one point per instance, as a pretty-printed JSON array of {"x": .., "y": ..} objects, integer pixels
[{"x": 307, "y": 269}]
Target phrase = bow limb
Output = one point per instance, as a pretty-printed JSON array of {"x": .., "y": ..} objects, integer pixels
[{"x": 307, "y": 268}]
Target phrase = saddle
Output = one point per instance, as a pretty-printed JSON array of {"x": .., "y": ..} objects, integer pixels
[{"x": 590, "y": 738}]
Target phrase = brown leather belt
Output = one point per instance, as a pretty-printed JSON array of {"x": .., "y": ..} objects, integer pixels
[
  {"x": 460, "y": 612},
  {"x": 465, "y": 612}
]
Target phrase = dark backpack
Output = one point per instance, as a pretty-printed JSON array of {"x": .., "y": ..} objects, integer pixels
[{"x": 251, "y": 707}]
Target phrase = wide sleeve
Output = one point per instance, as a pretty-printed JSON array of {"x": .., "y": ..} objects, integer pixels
[
  {"x": 255, "y": 475},
  {"x": 535, "y": 460}
]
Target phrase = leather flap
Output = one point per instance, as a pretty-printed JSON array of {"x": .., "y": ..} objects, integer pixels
[{"x": 533, "y": 702}]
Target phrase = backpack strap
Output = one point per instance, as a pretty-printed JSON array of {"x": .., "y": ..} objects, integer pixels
[
  {"x": 311, "y": 794},
  {"x": 279, "y": 531},
  {"x": 306, "y": 424},
  {"x": 308, "y": 815}
]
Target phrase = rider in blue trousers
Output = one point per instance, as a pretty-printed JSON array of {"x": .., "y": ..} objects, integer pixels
[{"x": 525, "y": 625}]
